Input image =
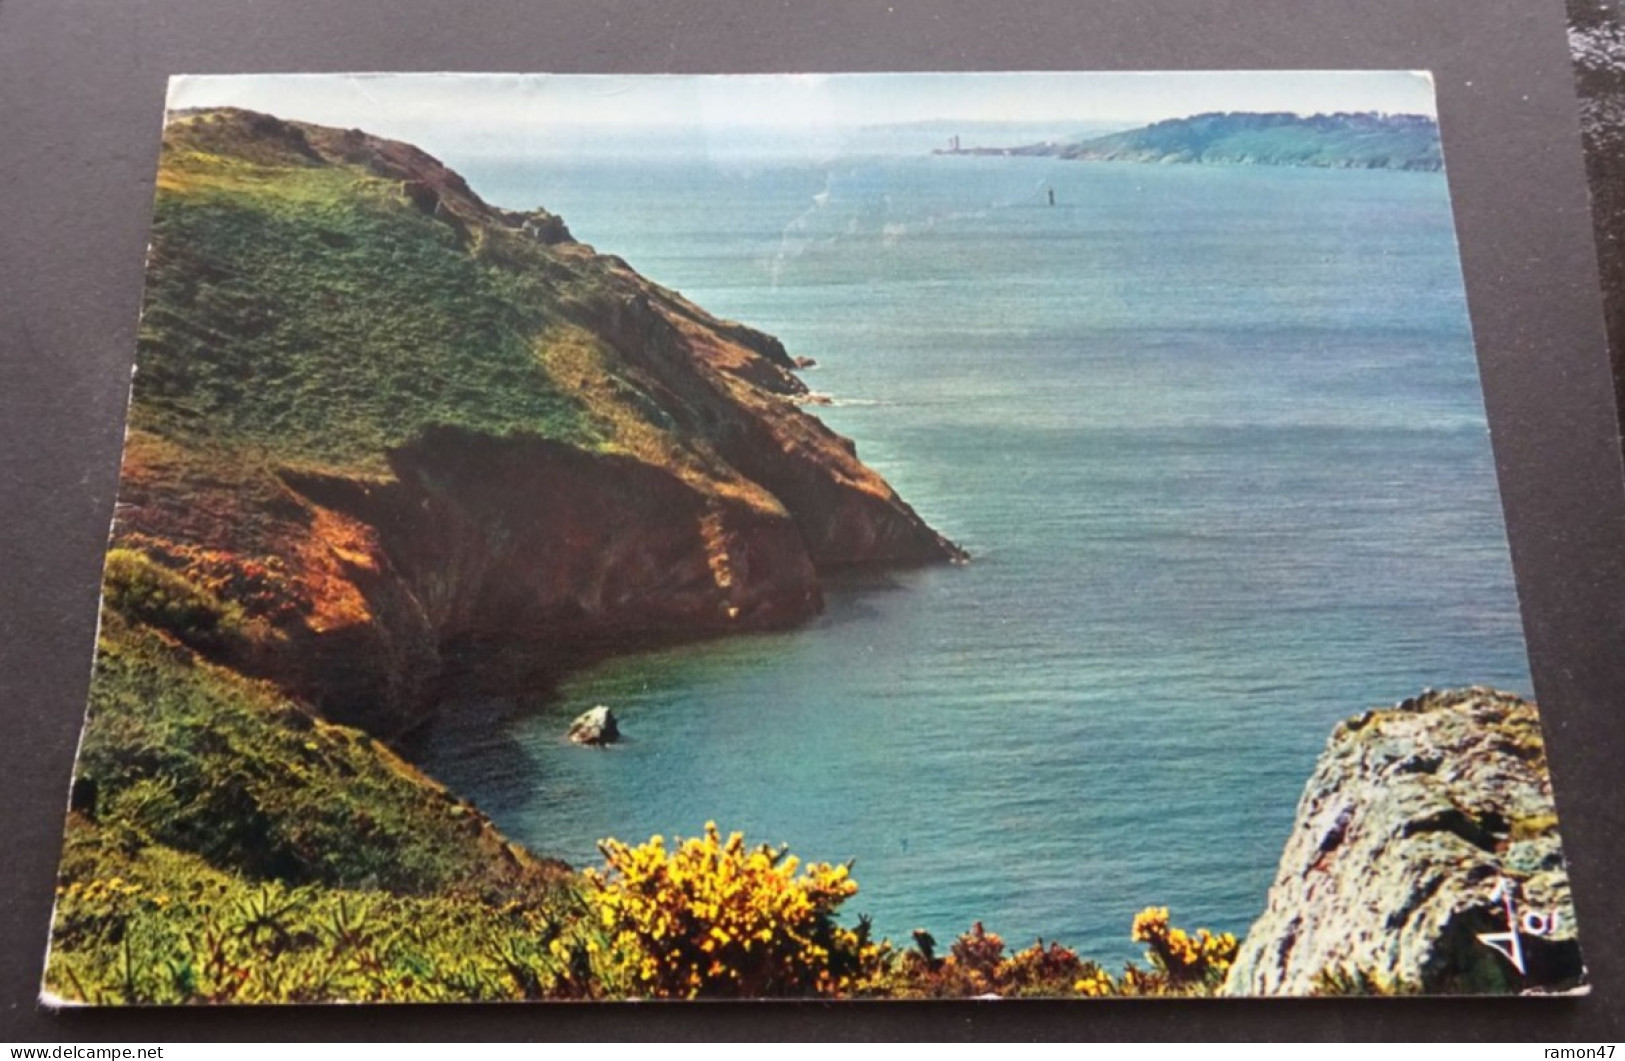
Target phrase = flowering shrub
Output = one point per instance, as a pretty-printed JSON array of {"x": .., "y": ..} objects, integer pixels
[
  {"x": 1182, "y": 963},
  {"x": 1095, "y": 983},
  {"x": 977, "y": 956},
  {"x": 1043, "y": 969},
  {"x": 716, "y": 918},
  {"x": 1186, "y": 960},
  {"x": 976, "y": 964}
]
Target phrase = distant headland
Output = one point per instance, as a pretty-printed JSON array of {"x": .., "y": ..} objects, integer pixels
[{"x": 1365, "y": 140}]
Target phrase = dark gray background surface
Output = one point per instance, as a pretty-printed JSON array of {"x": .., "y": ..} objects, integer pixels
[{"x": 81, "y": 95}]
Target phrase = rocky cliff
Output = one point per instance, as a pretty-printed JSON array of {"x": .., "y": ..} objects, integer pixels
[
  {"x": 396, "y": 428},
  {"x": 384, "y": 438},
  {"x": 1413, "y": 818}
]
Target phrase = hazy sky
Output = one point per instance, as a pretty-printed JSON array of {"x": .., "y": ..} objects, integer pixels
[{"x": 484, "y": 113}]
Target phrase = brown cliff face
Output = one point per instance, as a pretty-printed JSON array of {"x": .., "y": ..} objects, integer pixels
[
  {"x": 522, "y": 444},
  {"x": 545, "y": 553}
]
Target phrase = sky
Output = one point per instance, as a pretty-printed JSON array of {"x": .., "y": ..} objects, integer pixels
[{"x": 490, "y": 113}]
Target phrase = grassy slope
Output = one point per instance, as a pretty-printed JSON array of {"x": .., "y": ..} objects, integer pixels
[
  {"x": 197, "y": 757},
  {"x": 308, "y": 310},
  {"x": 144, "y": 923},
  {"x": 224, "y": 842}
]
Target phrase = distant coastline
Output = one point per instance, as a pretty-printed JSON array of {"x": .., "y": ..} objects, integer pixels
[{"x": 1327, "y": 141}]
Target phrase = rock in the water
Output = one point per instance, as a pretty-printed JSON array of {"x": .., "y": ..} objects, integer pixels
[
  {"x": 595, "y": 726},
  {"x": 1412, "y": 817}
]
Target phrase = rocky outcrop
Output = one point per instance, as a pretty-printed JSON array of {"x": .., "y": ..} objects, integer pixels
[
  {"x": 408, "y": 432},
  {"x": 596, "y": 726},
  {"x": 1422, "y": 825}
]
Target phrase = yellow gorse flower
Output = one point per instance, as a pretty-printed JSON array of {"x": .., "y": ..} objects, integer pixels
[
  {"x": 713, "y": 917},
  {"x": 1095, "y": 985},
  {"x": 1202, "y": 958}
]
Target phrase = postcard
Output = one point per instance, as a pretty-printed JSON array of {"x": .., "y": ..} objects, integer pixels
[{"x": 838, "y": 536}]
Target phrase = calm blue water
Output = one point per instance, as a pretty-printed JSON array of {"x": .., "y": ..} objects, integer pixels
[{"x": 1215, "y": 439}]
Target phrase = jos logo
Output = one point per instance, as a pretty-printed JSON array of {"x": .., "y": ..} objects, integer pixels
[{"x": 1509, "y": 944}]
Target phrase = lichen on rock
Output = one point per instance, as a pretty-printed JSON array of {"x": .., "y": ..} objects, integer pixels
[{"x": 1413, "y": 817}]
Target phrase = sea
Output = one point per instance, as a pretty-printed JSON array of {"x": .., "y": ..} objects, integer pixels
[{"x": 1214, "y": 438}]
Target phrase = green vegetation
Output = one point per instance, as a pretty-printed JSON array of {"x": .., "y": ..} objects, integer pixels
[
  {"x": 314, "y": 311},
  {"x": 144, "y": 923},
  {"x": 195, "y": 757},
  {"x": 227, "y": 846},
  {"x": 139, "y": 922},
  {"x": 147, "y": 592}
]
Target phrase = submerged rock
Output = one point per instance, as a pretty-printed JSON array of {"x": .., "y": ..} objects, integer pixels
[
  {"x": 596, "y": 725},
  {"x": 1414, "y": 816}
]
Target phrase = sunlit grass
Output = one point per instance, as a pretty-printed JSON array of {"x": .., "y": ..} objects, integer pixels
[{"x": 314, "y": 312}]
